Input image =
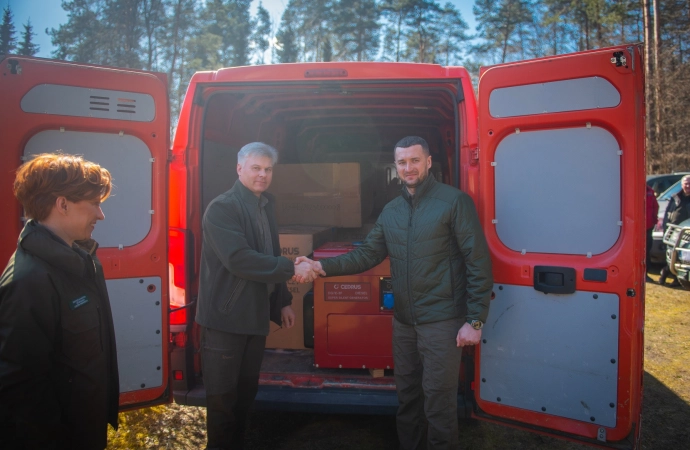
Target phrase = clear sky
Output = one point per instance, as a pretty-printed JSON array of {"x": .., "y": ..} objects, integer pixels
[{"x": 49, "y": 14}]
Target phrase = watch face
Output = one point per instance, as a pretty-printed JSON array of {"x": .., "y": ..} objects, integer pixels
[{"x": 477, "y": 324}]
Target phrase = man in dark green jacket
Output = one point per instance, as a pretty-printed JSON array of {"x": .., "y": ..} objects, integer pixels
[
  {"x": 59, "y": 385},
  {"x": 242, "y": 274},
  {"x": 442, "y": 280}
]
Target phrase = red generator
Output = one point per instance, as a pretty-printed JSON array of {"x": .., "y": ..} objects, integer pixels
[{"x": 353, "y": 316}]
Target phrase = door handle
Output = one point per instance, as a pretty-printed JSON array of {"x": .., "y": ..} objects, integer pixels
[{"x": 554, "y": 280}]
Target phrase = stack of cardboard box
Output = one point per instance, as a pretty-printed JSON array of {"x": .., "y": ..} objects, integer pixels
[{"x": 296, "y": 241}]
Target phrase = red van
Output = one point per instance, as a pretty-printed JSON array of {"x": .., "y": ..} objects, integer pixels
[{"x": 552, "y": 154}]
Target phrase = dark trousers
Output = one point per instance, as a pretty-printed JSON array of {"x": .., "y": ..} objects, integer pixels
[
  {"x": 230, "y": 364},
  {"x": 427, "y": 366}
]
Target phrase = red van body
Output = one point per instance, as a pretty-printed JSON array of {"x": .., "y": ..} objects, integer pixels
[{"x": 552, "y": 154}]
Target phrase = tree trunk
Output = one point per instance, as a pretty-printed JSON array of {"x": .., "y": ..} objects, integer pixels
[
  {"x": 648, "y": 83},
  {"x": 657, "y": 80}
]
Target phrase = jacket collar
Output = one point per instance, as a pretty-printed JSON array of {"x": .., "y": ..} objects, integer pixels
[
  {"x": 46, "y": 245},
  {"x": 422, "y": 189},
  {"x": 248, "y": 196}
]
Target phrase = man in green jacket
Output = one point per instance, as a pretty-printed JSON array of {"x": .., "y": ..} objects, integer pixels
[
  {"x": 241, "y": 269},
  {"x": 442, "y": 280}
]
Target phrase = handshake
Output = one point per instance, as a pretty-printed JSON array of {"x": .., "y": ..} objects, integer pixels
[{"x": 307, "y": 270}]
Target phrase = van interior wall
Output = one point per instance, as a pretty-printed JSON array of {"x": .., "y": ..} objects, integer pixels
[
  {"x": 312, "y": 126},
  {"x": 324, "y": 126}
]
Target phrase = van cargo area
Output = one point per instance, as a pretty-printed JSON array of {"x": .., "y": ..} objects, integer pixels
[{"x": 335, "y": 175}]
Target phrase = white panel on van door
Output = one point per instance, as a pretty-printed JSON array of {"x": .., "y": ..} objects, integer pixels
[
  {"x": 128, "y": 209},
  {"x": 136, "y": 307},
  {"x": 84, "y": 102},
  {"x": 556, "y": 96},
  {"x": 558, "y": 191},
  {"x": 551, "y": 353}
]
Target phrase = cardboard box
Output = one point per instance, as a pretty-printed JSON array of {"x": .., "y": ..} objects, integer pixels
[
  {"x": 321, "y": 194},
  {"x": 296, "y": 241}
]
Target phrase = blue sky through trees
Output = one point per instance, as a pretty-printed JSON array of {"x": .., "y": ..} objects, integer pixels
[{"x": 49, "y": 14}]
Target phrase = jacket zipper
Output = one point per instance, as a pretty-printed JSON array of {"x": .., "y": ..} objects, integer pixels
[
  {"x": 233, "y": 297},
  {"x": 409, "y": 283}
]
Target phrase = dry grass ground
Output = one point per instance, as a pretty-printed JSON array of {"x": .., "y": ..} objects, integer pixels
[{"x": 665, "y": 425}]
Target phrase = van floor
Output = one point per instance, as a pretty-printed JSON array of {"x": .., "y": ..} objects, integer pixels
[{"x": 302, "y": 362}]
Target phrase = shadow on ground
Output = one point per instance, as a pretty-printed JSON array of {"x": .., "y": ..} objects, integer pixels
[{"x": 665, "y": 417}]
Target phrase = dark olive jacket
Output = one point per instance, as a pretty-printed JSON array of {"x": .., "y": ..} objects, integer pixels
[
  {"x": 678, "y": 208},
  {"x": 234, "y": 272},
  {"x": 440, "y": 262},
  {"x": 59, "y": 383}
]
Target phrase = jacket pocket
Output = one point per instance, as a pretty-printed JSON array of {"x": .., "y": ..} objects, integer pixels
[
  {"x": 234, "y": 295},
  {"x": 81, "y": 334}
]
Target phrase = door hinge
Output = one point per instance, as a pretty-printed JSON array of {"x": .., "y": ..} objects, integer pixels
[
  {"x": 619, "y": 59},
  {"x": 15, "y": 68},
  {"x": 170, "y": 155}
]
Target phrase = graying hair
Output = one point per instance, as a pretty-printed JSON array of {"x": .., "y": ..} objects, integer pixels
[
  {"x": 686, "y": 177},
  {"x": 257, "y": 149}
]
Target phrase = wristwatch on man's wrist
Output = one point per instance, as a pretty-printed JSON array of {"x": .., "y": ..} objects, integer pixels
[{"x": 476, "y": 324}]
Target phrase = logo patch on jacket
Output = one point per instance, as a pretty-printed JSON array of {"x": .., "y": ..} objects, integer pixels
[{"x": 77, "y": 302}]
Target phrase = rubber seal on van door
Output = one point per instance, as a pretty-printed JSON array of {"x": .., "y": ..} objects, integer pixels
[{"x": 554, "y": 280}]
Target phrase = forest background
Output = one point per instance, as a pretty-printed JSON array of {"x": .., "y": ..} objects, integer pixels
[{"x": 180, "y": 37}]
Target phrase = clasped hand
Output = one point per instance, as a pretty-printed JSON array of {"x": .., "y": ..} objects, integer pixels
[{"x": 307, "y": 270}]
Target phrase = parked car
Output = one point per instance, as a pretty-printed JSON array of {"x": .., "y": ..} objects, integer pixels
[
  {"x": 658, "y": 252},
  {"x": 677, "y": 240},
  {"x": 660, "y": 182}
]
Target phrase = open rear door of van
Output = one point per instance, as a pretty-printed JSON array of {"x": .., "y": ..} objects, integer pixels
[
  {"x": 562, "y": 202},
  {"x": 117, "y": 118}
]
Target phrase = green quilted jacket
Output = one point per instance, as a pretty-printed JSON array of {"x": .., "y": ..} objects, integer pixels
[{"x": 440, "y": 262}]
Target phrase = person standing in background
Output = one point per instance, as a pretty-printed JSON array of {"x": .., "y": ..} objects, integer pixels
[{"x": 652, "y": 209}]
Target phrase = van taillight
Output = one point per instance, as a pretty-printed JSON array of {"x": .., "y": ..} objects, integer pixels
[
  {"x": 178, "y": 375},
  {"x": 176, "y": 276}
]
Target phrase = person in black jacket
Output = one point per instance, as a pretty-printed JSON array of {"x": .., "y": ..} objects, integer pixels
[
  {"x": 59, "y": 384},
  {"x": 242, "y": 274},
  {"x": 677, "y": 211}
]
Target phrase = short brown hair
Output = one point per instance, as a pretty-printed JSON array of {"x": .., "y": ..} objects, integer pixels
[{"x": 47, "y": 176}]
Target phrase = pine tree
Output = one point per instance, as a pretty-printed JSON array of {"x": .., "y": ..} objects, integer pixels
[
  {"x": 82, "y": 38},
  {"x": 313, "y": 25},
  {"x": 327, "y": 51},
  {"x": 422, "y": 31},
  {"x": 452, "y": 35},
  {"x": 153, "y": 22},
  {"x": 396, "y": 13},
  {"x": 501, "y": 25},
  {"x": 27, "y": 46},
  {"x": 123, "y": 31},
  {"x": 262, "y": 33},
  {"x": 240, "y": 32},
  {"x": 287, "y": 49},
  {"x": 356, "y": 29},
  {"x": 8, "y": 41},
  {"x": 181, "y": 19}
]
